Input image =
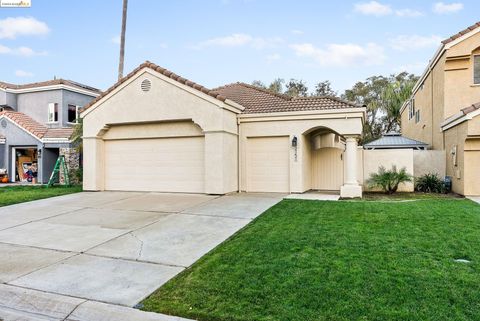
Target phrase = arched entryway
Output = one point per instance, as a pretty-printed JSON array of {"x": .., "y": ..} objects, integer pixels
[{"x": 326, "y": 148}]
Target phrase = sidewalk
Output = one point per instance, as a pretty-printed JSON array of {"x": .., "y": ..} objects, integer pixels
[{"x": 18, "y": 303}]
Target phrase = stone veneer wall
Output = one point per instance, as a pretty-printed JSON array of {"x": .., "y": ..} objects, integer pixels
[{"x": 72, "y": 159}]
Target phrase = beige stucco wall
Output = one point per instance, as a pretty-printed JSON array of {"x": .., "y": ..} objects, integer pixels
[
  {"x": 429, "y": 100},
  {"x": 429, "y": 162},
  {"x": 343, "y": 123},
  {"x": 373, "y": 159},
  {"x": 460, "y": 91},
  {"x": 456, "y": 137},
  {"x": 167, "y": 101},
  {"x": 472, "y": 166}
]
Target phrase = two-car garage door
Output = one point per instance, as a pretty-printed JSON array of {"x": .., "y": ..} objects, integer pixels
[{"x": 156, "y": 164}]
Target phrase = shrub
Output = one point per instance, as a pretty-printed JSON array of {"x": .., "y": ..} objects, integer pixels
[
  {"x": 388, "y": 180},
  {"x": 429, "y": 183}
]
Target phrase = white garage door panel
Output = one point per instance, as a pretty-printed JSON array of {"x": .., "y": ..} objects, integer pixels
[
  {"x": 162, "y": 165},
  {"x": 268, "y": 164}
]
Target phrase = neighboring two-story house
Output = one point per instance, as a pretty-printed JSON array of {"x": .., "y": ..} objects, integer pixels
[
  {"x": 36, "y": 125},
  {"x": 445, "y": 106}
]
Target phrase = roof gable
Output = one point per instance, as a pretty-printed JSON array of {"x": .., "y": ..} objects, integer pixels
[{"x": 164, "y": 72}]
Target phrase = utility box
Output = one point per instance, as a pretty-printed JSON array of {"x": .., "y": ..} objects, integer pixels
[{"x": 448, "y": 184}]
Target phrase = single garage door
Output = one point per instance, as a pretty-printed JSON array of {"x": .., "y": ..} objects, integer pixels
[
  {"x": 268, "y": 164},
  {"x": 158, "y": 164}
]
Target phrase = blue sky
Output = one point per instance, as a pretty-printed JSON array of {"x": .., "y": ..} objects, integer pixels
[{"x": 214, "y": 42}]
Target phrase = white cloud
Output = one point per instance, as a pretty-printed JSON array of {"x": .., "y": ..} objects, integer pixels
[
  {"x": 115, "y": 40},
  {"x": 297, "y": 32},
  {"x": 342, "y": 54},
  {"x": 273, "y": 57},
  {"x": 408, "y": 13},
  {"x": 4, "y": 50},
  {"x": 10, "y": 28},
  {"x": 235, "y": 40},
  {"x": 22, "y": 73},
  {"x": 373, "y": 8},
  {"x": 411, "y": 42},
  {"x": 239, "y": 40},
  {"x": 21, "y": 51},
  {"x": 445, "y": 8}
]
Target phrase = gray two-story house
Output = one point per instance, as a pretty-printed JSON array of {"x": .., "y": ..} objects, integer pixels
[{"x": 36, "y": 125}]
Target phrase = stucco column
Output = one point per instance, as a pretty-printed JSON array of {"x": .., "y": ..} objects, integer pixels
[
  {"x": 93, "y": 164},
  {"x": 351, "y": 188},
  {"x": 221, "y": 169}
]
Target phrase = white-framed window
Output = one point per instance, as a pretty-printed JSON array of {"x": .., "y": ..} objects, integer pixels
[
  {"x": 52, "y": 112},
  {"x": 411, "y": 109},
  {"x": 72, "y": 111},
  {"x": 476, "y": 69},
  {"x": 417, "y": 116}
]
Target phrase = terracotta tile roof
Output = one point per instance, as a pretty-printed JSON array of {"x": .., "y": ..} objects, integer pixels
[
  {"x": 461, "y": 33},
  {"x": 59, "y": 133},
  {"x": 259, "y": 100},
  {"x": 53, "y": 82},
  {"x": 471, "y": 108},
  {"x": 254, "y": 99},
  {"x": 163, "y": 71},
  {"x": 35, "y": 128}
]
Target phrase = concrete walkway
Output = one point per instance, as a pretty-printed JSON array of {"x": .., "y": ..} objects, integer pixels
[
  {"x": 315, "y": 196},
  {"x": 474, "y": 198},
  {"x": 93, "y": 256}
]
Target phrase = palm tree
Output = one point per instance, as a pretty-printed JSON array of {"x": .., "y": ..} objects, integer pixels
[
  {"x": 122, "y": 40},
  {"x": 394, "y": 95}
]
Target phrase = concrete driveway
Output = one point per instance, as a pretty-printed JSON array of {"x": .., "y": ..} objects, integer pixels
[{"x": 113, "y": 247}]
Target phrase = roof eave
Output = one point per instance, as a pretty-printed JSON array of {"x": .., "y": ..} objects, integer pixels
[
  {"x": 394, "y": 146},
  {"x": 457, "y": 119}
]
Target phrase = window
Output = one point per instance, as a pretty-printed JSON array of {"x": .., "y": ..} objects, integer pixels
[
  {"x": 476, "y": 70},
  {"x": 417, "y": 116},
  {"x": 52, "y": 112},
  {"x": 72, "y": 113},
  {"x": 411, "y": 109}
]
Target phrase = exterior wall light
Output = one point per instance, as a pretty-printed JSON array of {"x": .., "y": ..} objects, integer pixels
[{"x": 294, "y": 145}]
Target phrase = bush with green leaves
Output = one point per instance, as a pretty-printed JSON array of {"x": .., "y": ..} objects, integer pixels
[
  {"x": 429, "y": 183},
  {"x": 388, "y": 180}
]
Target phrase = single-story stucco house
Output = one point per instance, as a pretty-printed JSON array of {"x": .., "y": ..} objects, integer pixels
[{"x": 157, "y": 131}]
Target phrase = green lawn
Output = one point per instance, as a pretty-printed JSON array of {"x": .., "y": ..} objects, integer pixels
[
  {"x": 358, "y": 260},
  {"x": 18, "y": 194}
]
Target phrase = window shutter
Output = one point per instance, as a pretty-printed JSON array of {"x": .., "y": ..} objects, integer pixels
[{"x": 476, "y": 69}]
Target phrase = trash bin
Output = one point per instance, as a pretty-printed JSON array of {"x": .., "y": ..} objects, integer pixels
[{"x": 448, "y": 184}]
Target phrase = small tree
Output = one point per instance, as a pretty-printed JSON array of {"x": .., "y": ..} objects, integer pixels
[
  {"x": 296, "y": 88},
  {"x": 324, "y": 88},
  {"x": 276, "y": 86},
  {"x": 388, "y": 180},
  {"x": 259, "y": 83}
]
